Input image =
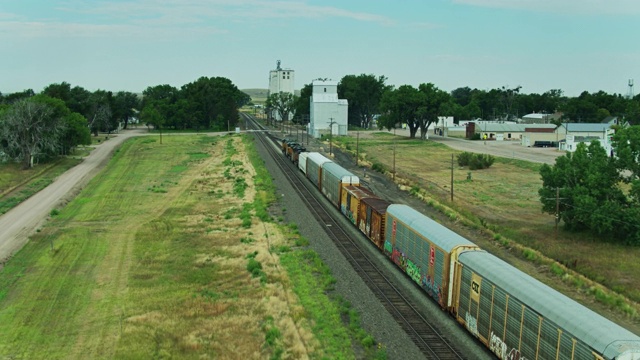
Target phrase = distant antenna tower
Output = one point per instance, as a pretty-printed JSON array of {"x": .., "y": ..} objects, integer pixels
[{"x": 630, "y": 94}]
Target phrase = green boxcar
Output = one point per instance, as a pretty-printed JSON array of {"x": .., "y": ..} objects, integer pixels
[
  {"x": 424, "y": 250},
  {"x": 518, "y": 317}
]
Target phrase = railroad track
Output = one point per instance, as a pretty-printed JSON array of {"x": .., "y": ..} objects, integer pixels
[{"x": 426, "y": 337}]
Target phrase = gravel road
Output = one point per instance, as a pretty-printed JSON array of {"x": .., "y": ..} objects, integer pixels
[{"x": 23, "y": 220}]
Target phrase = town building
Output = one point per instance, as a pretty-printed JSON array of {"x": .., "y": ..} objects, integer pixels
[
  {"x": 328, "y": 113},
  {"x": 281, "y": 80}
]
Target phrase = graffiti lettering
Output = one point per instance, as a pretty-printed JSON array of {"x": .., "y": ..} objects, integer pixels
[
  {"x": 435, "y": 291},
  {"x": 472, "y": 324},
  {"x": 399, "y": 259},
  {"x": 413, "y": 271},
  {"x": 498, "y": 346},
  {"x": 388, "y": 248}
]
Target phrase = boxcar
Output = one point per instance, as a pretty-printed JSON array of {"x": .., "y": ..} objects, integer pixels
[
  {"x": 424, "y": 250},
  {"x": 334, "y": 178},
  {"x": 302, "y": 162},
  {"x": 350, "y": 201},
  {"x": 371, "y": 219},
  {"x": 314, "y": 167},
  {"x": 517, "y": 316}
]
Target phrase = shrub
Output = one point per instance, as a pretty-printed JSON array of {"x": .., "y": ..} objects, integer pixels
[{"x": 475, "y": 161}]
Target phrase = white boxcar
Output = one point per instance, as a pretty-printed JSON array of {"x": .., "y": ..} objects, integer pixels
[
  {"x": 314, "y": 167},
  {"x": 333, "y": 178}
]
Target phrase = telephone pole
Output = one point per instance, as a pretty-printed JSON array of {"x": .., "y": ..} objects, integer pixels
[{"x": 331, "y": 135}]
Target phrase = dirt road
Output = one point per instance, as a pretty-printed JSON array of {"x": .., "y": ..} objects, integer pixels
[{"x": 23, "y": 220}]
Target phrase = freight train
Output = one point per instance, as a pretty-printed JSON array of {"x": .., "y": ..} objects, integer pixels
[{"x": 513, "y": 314}]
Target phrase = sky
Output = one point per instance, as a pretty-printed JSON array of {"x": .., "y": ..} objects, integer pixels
[{"x": 129, "y": 45}]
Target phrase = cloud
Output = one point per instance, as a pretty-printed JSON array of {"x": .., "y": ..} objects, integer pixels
[
  {"x": 193, "y": 11},
  {"x": 169, "y": 18},
  {"x": 583, "y": 7}
]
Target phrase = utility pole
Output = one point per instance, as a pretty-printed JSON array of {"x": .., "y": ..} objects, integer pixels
[
  {"x": 394, "y": 153},
  {"x": 357, "y": 148},
  {"x": 451, "y": 177},
  {"x": 331, "y": 135}
]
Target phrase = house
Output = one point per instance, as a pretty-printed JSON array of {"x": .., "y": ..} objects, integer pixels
[
  {"x": 575, "y": 133},
  {"x": 328, "y": 113}
]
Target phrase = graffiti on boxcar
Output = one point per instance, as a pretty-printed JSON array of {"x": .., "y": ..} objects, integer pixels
[
  {"x": 413, "y": 271},
  {"x": 429, "y": 284},
  {"x": 399, "y": 259},
  {"x": 500, "y": 348},
  {"x": 388, "y": 248},
  {"x": 471, "y": 323},
  {"x": 348, "y": 213},
  {"x": 364, "y": 226}
]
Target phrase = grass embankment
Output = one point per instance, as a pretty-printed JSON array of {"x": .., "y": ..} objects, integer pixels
[
  {"x": 17, "y": 184},
  {"x": 503, "y": 201},
  {"x": 169, "y": 252}
]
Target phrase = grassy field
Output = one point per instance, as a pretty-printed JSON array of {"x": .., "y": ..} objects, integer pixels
[
  {"x": 503, "y": 203},
  {"x": 171, "y": 252},
  {"x": 17, "y": 184}
]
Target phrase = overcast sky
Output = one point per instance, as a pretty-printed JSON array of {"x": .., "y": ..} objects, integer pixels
[{"x": 572, "y": 45}]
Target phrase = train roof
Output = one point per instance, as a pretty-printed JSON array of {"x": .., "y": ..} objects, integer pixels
[
  {"x": 359, "y": 192},
  {"x": 339, "y": 172},
  {"x": 427, "y": 227},
  {"x": 317, "y": 158},
  {"x": 377, "y": 204},
  {"x": 603, "y": 335}
]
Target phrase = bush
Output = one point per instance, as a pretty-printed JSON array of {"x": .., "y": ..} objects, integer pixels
[{"x": 475, "y": 161}]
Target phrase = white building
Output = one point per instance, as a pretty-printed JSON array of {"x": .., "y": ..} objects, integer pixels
[
  {"x": 281, "y": 80},
  {"x": 328, "y": 113}
]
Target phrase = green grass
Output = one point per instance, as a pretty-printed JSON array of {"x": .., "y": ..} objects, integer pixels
[
  {"x": 137, "y": 275},
  {"x": 25, "y": 183}
]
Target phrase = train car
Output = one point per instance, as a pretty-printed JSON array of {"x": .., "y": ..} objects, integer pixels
[
  {"x": 518, "y": 317},
  {"x": 302, "y": 162},
  {"x": 372, "y": 219},
  {"x": 297, "y": 150},
  {"x": 350, "y": 201},
  {"x": 333, "y": 179},
  {"x": 424, "y": 250},
  {"x": 314, "y": 168}
]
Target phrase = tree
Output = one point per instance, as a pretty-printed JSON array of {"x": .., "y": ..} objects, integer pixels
[
  {"x": 31, "y": 127},
  {"x": 399, "y": 106},
  {"x": 588, "y": 185},
  {"x": 627, "y": 151},
  {"x": 431, "y": 102},
  {"x": 76, "y": 132},
  {"x": 126, "y": 104},
  {"x": 11, "y": 98},
  {"x": 283, "y": 103},
  {"x": 151, "y": 115},
  {"x": 303, "y": 104},
  {"x": 363, "y": 93}
]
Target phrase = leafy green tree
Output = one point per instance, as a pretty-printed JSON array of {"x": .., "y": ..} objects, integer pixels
[
  {"x": 588, "y": 185},
  {"x": 32, "y": 127},
  {"x": 431, "y": 104},
  {"x": 76, "y": 132},
  {"x": 303, "y": 105},
  {"x": 363, "y": 93},
  {"x": 283, "y": 103},
  {"x": 13, "y": 97},
  {"x": 151, "y": 115},
  {"x": 627, "y": 151},
  {"x": 126, "y": 105},
  {"x": 400, "y": 106}
]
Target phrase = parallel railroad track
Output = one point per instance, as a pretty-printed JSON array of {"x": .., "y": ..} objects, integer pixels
[{"x": 426, "y": 337}]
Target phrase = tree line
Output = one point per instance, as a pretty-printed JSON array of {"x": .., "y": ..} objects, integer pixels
[
  {"x": 418, "y": 107},
  {"x": 61, "y": 117},
  {"x": 588, "y": 190}
]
